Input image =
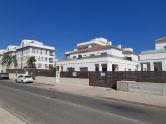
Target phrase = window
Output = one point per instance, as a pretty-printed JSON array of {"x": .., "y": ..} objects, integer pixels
[
  {"x": 70, "y": 69},
  {"x": 79, "y": 56},
  {"x": 39, "y": 65},
  {"x": 33, "y": 50},
  {"x": 51, "y": 53},
  {"x": 51, "y": 66},
  {"x": 74, "y": 56},
  {"x": 61, "y": 68},
  {"x": 57, "y": 68},
  {"x": 129, "y": 58},
  {"x": 46, "y": 66},
  {"x": 96, "y": 67},
  {"x": 164, "y": 47},
  {"x": 104, "y": 67},
  {"x": 92, "y": 55},
  {"x": 157, "y": 66},
  {"x": 103, "y": 54},
  {"x": 20, "y": 76},
  {"x": 43, "y": 51},
  {"x": 84, "y": 69},
  {"x": 115, "y": 67},
  {"x": 28, "y": 76},
  {"x": 45, "y": 59},
  {"x": 41, "y": 58},
  {"x": 51, "y": 60}
]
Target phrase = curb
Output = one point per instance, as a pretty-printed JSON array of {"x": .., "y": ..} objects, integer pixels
[
  {"x": 15, "y": 115},
  {"x": 145, "y": 104}
]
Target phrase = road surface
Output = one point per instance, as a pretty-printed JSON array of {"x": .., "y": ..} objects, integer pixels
[{"x": 41, "y": 106}]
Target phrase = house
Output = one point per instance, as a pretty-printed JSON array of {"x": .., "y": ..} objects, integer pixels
[
  {"x": 45, "y": 55},
  {"x": 99, "y": 55},
  {"x": 154, "y": 60}
]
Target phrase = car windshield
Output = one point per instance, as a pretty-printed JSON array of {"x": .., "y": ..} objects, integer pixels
[{"x": 27, "y": 76}]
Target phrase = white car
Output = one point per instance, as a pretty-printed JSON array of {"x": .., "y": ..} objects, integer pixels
[{"x": 24, "y": 79}]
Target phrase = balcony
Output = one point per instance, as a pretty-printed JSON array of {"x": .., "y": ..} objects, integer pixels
[
  {"x": 51, "y": 60},
  {"x": 51, "y": 54}
]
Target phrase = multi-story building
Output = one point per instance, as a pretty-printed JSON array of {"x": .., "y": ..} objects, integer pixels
[
  {"x": 154, "y": 60},
  {"x": 99, "y": 55},
  {"x": 11, "y": 50},
  {"x": 44, "y": 55},
  {"x": 2, "y": 69}
]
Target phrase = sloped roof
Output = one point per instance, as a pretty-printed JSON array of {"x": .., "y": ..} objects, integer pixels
[
  {"x": 161, "y": 40},
  {"x": 129, "y": 53},
  {"x": 94, "y": 48}
]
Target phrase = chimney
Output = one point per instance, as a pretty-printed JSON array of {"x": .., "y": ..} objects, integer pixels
[
  {"x": 119, "y": 46},
  {"x": 110, "y": 43}
]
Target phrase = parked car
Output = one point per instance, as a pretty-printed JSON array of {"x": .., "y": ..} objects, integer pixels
[
  {"x": 24, "y": 79},
  {"x": 4, "y": 76}
]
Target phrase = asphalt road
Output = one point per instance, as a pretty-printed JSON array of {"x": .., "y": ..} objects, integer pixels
[{"x": 40, "y": 106}]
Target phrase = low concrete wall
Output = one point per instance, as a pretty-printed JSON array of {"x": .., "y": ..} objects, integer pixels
[
  {"x": 12, "y": 76},
  {"x": 69, "y": 81},
  {"x": 52, "y": 80},
  {"x": 142, "y": 87}
]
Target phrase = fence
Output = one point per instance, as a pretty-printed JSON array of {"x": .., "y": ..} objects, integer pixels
[
  {"x": 36, "y": 72},
  {"x": 76, "y": 74},
  {"x": 4, "y": 76},
  {"x": 109, "y": 79}
]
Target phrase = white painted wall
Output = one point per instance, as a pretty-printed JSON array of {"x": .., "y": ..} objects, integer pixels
[
  {"x": 40, "y": 51},
  {"x": 154, "y": 57},
  {"x": 124, "y": 65},
  {"x": 160, "y": 46},
  {"x": 40, "y": 58},
  {"x": 113, "y": 52}
]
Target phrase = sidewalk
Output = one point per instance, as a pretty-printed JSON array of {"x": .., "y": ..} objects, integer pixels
[
  {"x": 8, "y": 118},
  {"x": 81, "y": 86}
]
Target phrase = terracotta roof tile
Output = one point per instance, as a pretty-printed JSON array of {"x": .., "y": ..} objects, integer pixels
[
  {"x": 161, "y": 40},
  {"x": 95, "y": 48}
]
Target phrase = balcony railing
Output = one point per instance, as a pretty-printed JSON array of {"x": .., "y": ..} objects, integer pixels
[{"x": 97, "y": 56}]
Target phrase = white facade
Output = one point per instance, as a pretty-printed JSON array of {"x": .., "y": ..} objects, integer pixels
[
  {"x": 2, "y": 69},
  {"x": 99, "y": 55},
  {"x": 44, "y": 55},
  {"x": 154, "y": 60},
  {"x": 11, "y": 50}
]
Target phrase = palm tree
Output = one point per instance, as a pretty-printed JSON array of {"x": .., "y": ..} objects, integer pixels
[
  {"x": 31, "y": 62},
  {"x": 8, "y": 60}
]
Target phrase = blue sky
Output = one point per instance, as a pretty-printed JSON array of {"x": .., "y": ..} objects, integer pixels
[{"x": 64, "y": 23}]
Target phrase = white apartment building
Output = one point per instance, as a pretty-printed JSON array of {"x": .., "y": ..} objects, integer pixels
[
  {"x": 2, "y": 69},
  {"x": 45, "y": 55},
  {"x": 99, "y": 55},
  {"x": 154, "y": 60},
  {"x": 11, "y": 50}
]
